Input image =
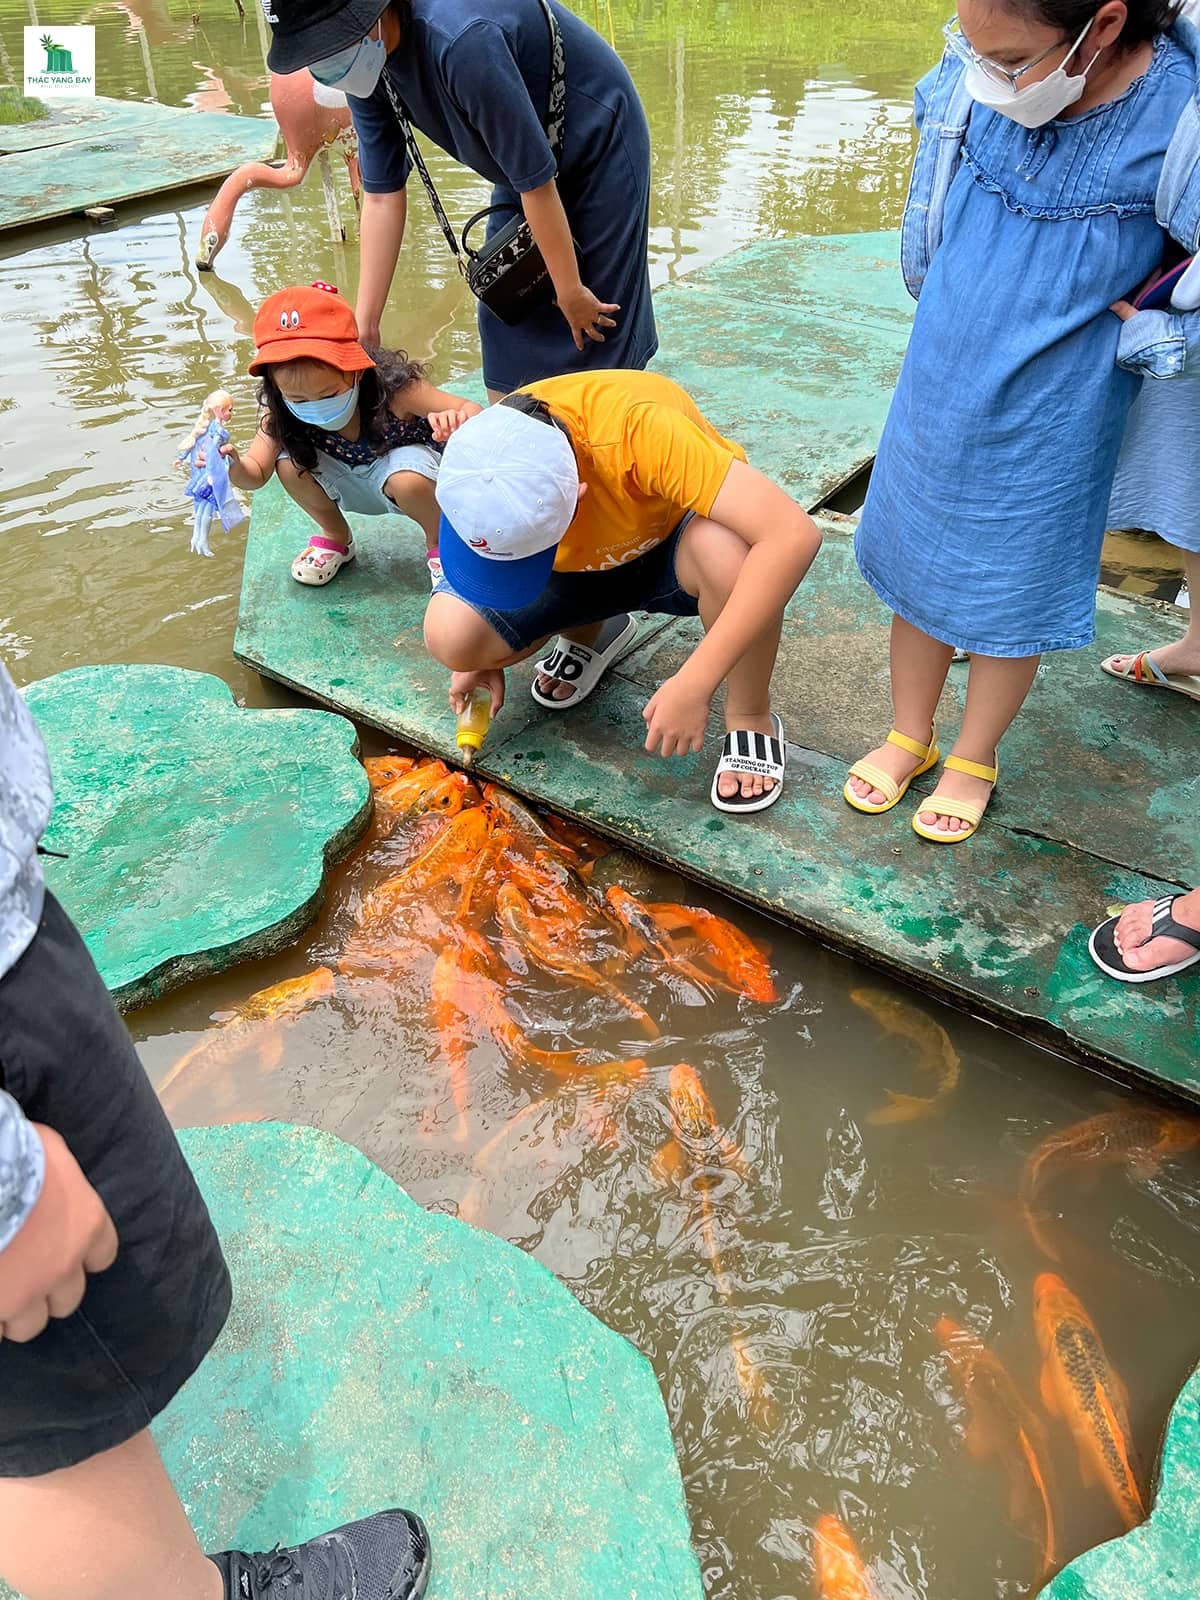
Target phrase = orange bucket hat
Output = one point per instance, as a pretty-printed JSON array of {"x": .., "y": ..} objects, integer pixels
[{"x": 314, "y": 322}]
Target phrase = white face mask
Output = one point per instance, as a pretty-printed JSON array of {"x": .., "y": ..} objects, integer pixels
[{"x": 1037, "y": 103}]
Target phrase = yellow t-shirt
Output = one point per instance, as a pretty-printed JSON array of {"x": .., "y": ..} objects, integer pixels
[{"x": 647, "y": 456}]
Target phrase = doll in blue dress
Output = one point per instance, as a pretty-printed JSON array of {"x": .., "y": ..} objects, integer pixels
[
  {"x": 208, "y": 486},
  {"x": 1031, "y": 212}
]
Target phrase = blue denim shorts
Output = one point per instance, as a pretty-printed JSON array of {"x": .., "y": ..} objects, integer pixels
[
  {"x": 359, "y": 490},
  {"x": 575, "y": 599}
]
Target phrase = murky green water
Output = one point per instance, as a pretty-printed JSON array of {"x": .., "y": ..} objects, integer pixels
[{"x": 842, "y": 1240}]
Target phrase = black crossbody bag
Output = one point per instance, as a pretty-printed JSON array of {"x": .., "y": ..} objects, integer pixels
[{"x": 507, "y": 273}]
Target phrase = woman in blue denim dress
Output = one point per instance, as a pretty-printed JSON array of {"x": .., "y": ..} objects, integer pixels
[{"x": 987, "y": 506}]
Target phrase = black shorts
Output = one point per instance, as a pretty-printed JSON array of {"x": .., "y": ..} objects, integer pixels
[{"x": 92, "y": 1380}]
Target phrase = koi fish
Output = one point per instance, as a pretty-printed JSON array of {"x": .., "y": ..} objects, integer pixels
[
  {"x": 450, "y": 1018},
  {"x": 1003, "y": 1426},
  {"x": 254, "y": 1025},
  {"x": 841, "y": 1573},
  {"x": 1141, "y": 1137},
  {"x": 382, "y": 770},
  {"x": 586, "y": 846},
  {"x": 449, "y": 858},
  {"x": 936, "y": 1054},
  {"x": 549, "y": 944},
  {"x": 525, "y": 827},
  {"x": 644, "y": 937},
  {"x": 481, "y": 1000},
  {"x": 736, "y": 963},
  {"x": 1079, "y": 1385},
  {"x": 405, "y": 793}
]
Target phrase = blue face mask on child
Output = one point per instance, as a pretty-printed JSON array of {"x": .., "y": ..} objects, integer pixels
[{"x": 331, "y": 413}]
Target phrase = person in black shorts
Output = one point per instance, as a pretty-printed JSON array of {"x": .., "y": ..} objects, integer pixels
[{"x": 113, "y": 1287}]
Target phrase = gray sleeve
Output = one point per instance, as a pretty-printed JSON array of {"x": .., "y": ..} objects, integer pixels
[{"x": 22, "y": 1168}]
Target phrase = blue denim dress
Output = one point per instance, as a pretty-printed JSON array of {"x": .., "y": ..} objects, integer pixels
[
  {"x": 987, "y": 506},
  {"x": 1158, "y": 475}
]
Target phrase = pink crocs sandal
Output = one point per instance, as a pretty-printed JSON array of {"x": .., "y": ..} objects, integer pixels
[{"x": 321, "y": 561}]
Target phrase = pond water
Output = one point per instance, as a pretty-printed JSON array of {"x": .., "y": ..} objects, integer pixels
[{"x": 787, "y": 1288}]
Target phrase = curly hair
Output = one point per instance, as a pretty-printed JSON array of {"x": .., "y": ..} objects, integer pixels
[
  {"x": 392, "y": 372},
  {"x": 1145, "y": 19}
]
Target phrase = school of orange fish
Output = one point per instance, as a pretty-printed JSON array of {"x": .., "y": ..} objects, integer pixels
[{"x": 486, "y": 884}]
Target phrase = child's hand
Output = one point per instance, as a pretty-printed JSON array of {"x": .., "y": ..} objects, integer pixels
[
  {"x": 1124, "y": 310},
  {"x": 461, "y": 684},
  {"x": 444, "y": 423},
  {"x": 676, "y": 718},
  {"x": 229, "y": 451}
]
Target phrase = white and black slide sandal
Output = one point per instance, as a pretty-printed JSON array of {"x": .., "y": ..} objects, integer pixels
[
  {"x": 1104, "y": 952},
  {"x": 582, "y": 665},
  {"x": 757, "y": 754}
]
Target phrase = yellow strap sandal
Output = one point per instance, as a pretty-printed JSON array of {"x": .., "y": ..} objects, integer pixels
[
  {"x": 927, "y": 754},
  {"x": 963, "y": 809}
]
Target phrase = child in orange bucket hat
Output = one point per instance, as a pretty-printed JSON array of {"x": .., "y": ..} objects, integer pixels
[{"x": 347, "y": 432}]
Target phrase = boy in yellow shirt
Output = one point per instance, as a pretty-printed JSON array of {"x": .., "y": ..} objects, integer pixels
[{"x": 583, "y": 498}]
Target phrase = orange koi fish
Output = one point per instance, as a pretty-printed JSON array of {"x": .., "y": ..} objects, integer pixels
[
  {"x": 449, "y": 858},
  {"x": 382, "y": 770},
  {"x": 841, "y": 1573},
  {"x": 450, "y": 1016},
  {"x": 1079, "y": 1385},
  {"x": 255, "y": 1025},
  {"x": 643, "y": 937},
  {"x": 404, "y": 794},
  {"x": 736, "y": 963},
  {"x": 935, "y": 1054},
  {"x": 1140, "y": 1137},
  {"x": 1003, "y": 1426},
  {"x": 523, "y": 823},
  {"x": 586, "y": 846},
  {"x": 548, "y": 942}
]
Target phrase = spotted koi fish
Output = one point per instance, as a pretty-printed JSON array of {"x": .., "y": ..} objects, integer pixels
[{"x": 1080, "y": 1386}]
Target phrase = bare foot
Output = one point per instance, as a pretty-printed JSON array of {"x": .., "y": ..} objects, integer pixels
[
  {"x": 1183, "y": 657},
  {"x": 897, "y": 763},
  {"x": 957, "y": 786},
  {"x": 1132, "y": 934},
  {"x": 748, "y": 785}
]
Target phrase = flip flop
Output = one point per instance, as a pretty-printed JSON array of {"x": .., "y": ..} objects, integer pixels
[
  {"x": 1143, "y": 670},
  {"x": 581, "y": 665},
  {"x": 1102, "y": 946},
  {"x": 965, "y": 810},
  {"x": 893, "y": 791},
  {"x": 757, "y": 754}
]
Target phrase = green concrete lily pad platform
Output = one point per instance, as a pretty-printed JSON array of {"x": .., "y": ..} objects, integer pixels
[
  {"x": 97, "y": 151},
  {"x": 1161, "y": 1559},
  {"x": 380, "y": 1355},
  {"x": 195, "y": 833}
]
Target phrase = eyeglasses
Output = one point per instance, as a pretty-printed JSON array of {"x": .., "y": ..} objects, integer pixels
[{"x": 959, "y": 45}]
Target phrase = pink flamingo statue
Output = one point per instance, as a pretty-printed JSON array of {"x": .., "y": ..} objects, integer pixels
[{"x": 309, "y": 125}]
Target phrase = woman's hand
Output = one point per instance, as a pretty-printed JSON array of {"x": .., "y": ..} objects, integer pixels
[
  {"x": 585, "y": 314},
  {"x": 676, "y": 718},
  {"x": 461, "y": 684},
  {"x": 444, "y": 423}
]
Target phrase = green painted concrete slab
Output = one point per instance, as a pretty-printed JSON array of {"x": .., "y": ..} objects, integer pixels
[
  {"x": 378, "y": 1354},
  {"x": 1161, "y": 1559},
  {"x": 196, "y": 834},
  {"x": 100, "y": 152},
  {"x": 793, "y": 347}
]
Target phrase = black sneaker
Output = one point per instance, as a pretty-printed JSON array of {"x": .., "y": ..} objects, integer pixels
[{"x": 384, "y": 1557}]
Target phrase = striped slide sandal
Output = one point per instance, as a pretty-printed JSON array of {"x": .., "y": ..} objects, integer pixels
[{"x": 756, "y": 754}]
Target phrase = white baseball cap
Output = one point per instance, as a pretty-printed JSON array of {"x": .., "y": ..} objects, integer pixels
[{"x": 507, "y": 487}]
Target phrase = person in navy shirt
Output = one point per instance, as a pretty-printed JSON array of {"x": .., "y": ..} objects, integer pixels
[{"x": 474, "y": 75}]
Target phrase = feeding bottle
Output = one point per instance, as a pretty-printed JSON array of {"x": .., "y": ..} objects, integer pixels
[{"x": 473, "y": 723}]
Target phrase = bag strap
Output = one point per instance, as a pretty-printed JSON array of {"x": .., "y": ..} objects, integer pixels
[{"x": 554, "y": 126}]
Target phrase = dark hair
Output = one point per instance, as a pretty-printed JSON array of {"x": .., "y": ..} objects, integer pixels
[
  {"x": 1146, "y": 19},
  {"x": 530, "y": 406},
  {"x": 392, "y": 372}
]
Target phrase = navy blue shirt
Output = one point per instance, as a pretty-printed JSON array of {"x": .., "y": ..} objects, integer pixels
[{"x": 474, "y": 76}]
